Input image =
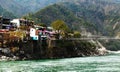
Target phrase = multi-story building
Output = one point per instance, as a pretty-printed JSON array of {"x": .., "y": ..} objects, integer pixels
[
  {"x": 5, "y": 23},
  {"x": 22, "y": 22}
]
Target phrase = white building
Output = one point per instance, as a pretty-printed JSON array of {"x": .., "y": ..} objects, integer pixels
[
  {"x": 19, "y": 22},
  {"x": 33, "y": 34},
  {"x": 16, "y": 22}
]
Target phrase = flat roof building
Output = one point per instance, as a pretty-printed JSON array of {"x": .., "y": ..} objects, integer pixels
[
  {"x": 4, "y": 23},
  {"x": 22, "y": 22}
]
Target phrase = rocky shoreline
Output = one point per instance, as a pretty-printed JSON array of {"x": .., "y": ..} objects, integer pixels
[
  {"x": 16, "y": 58},
  {"x": 5, "y": 58},
  {"x": 61, "y": 49}
]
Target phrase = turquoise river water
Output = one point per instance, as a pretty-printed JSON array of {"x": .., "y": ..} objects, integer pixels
[{"x": 108, "y": 63}]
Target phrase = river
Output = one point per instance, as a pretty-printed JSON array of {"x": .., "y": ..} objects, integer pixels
[{"x": 108, "y": 63}]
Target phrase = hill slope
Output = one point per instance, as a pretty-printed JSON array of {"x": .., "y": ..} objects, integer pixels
[
  {"x": 22, "y": 7},
  {"x": 12, "y": 6},
  {"x": 5, "y": 13},
  {"x": 58, "y": 12},
  {"x": 97, "y": 16},
  {"x": 103, "y": 14}
]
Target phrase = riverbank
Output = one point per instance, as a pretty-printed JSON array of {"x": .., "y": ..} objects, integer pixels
[{"x": 53, "y": 49}]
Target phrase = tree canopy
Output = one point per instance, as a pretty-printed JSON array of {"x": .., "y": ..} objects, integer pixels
[{"x": 59, "y": 26}]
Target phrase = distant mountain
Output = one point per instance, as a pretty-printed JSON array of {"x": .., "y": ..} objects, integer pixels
[
  {"x": 5, "y": 13},
  {"x": 97, "y": 16},
  {"x": 12, "y": 6},
  {"x": 60, "y": 12},
  {"x": 34, "y": 5},
  {"x": 22, "y": 7},
  {"x": 55, "y": 12},
  {"x": 104, "y": 15}
]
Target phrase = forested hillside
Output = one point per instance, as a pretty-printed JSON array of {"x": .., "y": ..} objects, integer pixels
[
  {"x": 5, "y": 13},
  {"x": 22, "y": 7},
  {"x": 97, "y": 16},
  {"x": 13, "y": 7},
  {"x": 56, "y": 12}
]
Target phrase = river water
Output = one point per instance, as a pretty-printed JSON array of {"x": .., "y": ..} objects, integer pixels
[{"x": 108, "y": 63}]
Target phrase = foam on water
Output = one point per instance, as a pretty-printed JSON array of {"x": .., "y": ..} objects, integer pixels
[{"x": 109, "y": 63}]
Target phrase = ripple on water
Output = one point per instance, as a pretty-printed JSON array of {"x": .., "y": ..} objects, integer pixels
[{"x": 110, "y": 63}]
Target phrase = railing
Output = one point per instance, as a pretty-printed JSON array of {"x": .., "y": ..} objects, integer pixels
[{"x": 100, "y": 38}]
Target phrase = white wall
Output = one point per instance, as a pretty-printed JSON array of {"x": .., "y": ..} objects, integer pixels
[{"x": 16, "y": 21}]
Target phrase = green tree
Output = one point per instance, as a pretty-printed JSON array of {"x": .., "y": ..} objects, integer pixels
[
  {"x": 60, "y": 27},
  {"x": 77, "y": 34},
  {"x": 42, "y": 24}
]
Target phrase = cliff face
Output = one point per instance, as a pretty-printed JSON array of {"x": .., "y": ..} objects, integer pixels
[
  {"x": 66, "y": 49},
  {"x": 53, "y": 49},
  {"x": 63, "y": 49}
]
